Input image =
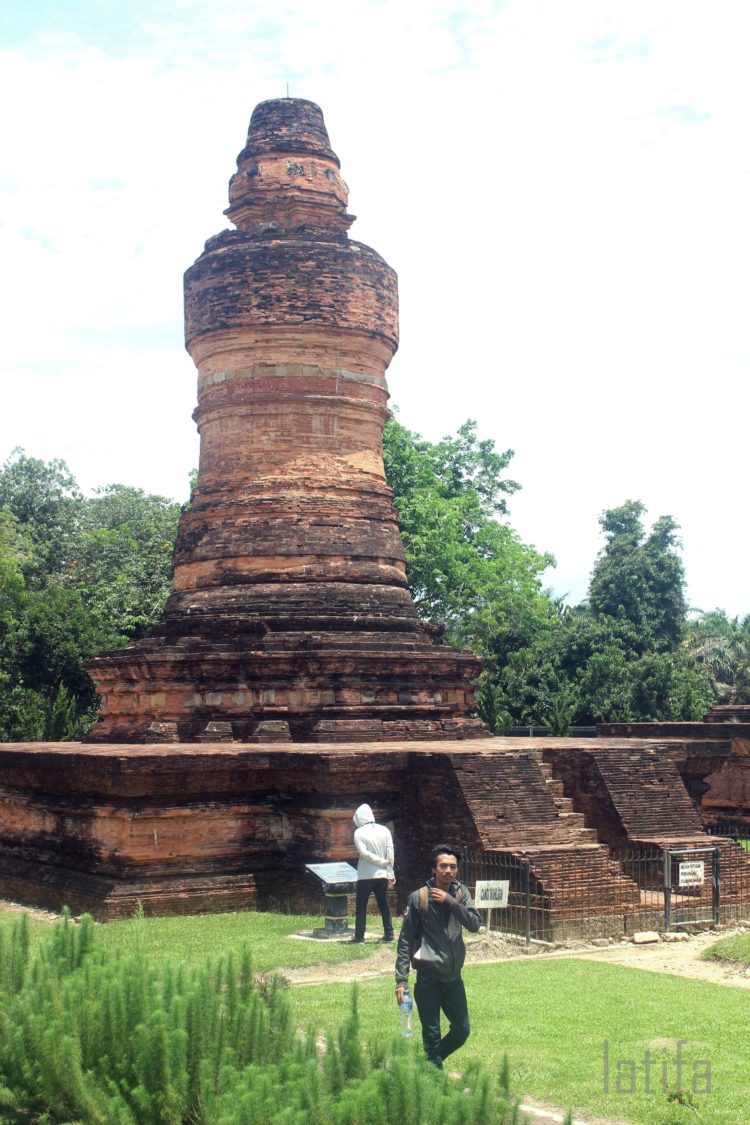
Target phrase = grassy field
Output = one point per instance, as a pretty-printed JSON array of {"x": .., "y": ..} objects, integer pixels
[
  {"x": 193, "y": 940},
  {"x": 735, "y": 949},
  {"x": 553, "y": 1019},
  {"x": 196, "y": 938},
  {"x": 570, "y": 1028}
]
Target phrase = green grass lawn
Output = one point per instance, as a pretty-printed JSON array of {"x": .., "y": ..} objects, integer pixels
[
  {"x": 196, "y": 938},
  {"x": 553, "y": 1018},
  {"x": 735, "y": 949}
]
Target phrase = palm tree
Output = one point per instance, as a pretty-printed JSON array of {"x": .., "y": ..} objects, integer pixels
[{"x": 721, "y": 647}]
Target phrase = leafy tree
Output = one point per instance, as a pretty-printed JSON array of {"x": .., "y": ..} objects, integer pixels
[
  {"x": 12, "y": 582},
  {"x": 45, "y": 500},
  {"x": 640, "y": 579},
  {"x": 467, "y": 570},
  {"x": 77, "y": 576},
  {"x": 121, "y": 563},
  {"x": 619, "y": 656},
  {"x": 21, "y": 713}
]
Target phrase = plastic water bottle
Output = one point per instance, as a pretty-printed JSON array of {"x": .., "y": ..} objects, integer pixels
[{"x": 406, "y": 1008}]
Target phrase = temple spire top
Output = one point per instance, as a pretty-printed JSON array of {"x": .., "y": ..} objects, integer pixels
[
  {"x": 288, "y": 177},
  {"x": 292, "y": 125}
]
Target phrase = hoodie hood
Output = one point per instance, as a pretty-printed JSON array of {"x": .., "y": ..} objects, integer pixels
[{"x": 363, "y": 815}]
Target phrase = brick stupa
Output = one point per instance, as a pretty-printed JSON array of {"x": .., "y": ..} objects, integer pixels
[{"x": 290, "y": 617}]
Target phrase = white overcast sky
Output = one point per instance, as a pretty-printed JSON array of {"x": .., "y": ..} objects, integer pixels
[{"x": 562, "y": 187}]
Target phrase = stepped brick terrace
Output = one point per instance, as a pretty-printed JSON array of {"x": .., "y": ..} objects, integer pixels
[
  {"x": 189, "y": 828},
  {"x": 722, "y": 793}
]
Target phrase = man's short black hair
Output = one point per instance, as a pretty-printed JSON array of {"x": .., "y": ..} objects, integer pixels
[{"x": 443, "y": 849}]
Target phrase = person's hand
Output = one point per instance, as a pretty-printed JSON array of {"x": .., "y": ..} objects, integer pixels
[
  {"x": 437, "y": 895},
  {"x": 400, "y": 993},
  {"x": 391, "y": 884}
]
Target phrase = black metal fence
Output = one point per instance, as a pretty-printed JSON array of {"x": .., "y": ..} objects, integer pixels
[
  {"x": 733, "y": 841},
  {"x": 553, "y": 895}
]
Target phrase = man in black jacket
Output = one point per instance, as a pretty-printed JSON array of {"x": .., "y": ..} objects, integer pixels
[{"x": 432, "y": 937}]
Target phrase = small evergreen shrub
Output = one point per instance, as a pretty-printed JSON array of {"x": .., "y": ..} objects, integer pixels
[{"x": 100, "y": 1037}]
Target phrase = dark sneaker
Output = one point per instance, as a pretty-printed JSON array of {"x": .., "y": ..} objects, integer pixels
[
  {"x": 356, "y": 940},
  {"x": 387, "y": 937}
]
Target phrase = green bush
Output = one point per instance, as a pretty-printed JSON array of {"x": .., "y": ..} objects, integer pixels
[{"x": 92, "y": 1035}]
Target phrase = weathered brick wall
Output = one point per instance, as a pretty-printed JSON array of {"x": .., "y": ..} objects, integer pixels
[
  {"x": 713, "y": 758},
  {"x": 99, "y": 827}
]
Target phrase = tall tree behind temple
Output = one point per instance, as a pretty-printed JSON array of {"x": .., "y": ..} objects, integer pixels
[
  {"x": 45, "y": 501},
  {"x": 621, "y": 655},
  {"x": 721, "y": 646},
  {"x": 467, "y": 569},
  {"x": 77, "y": 576},
  {"x": 123, "y": 560},
  {"x": 639, "y": 579},
  {"x": 618, "y": 656}
]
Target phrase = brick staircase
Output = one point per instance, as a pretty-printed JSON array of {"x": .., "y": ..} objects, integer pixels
[
  {"x": 634, "y": 793},
  {"x": 519, "y": 809},
  {"x": 516, "y": 803}
]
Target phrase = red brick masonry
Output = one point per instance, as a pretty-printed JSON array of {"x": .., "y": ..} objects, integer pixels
[{"x": 225, "y": 827}]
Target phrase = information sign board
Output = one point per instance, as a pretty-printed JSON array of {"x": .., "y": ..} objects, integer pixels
[
  {"x": 491, "y": 894},
  {"x": 692, "y": 873},
  {"x": 333, "y": 874}
]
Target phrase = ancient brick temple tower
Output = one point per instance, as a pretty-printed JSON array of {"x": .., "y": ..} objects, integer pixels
[
  {"x": 290, "y": 616},
  {"x": 290, "y": 622}
]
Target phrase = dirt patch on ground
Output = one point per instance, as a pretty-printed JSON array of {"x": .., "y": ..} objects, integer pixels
[{"x": 677, "y": 958}]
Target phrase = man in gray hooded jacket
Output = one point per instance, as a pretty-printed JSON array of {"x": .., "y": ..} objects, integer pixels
[
  {"x": 374, "y": 870},
  {"x": 432, "y": 939}
]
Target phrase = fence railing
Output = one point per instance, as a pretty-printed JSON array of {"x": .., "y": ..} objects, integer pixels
[{"x": 551, "y": 895}]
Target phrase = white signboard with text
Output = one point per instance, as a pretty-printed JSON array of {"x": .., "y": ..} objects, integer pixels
[
  {"x": 491, "y": 894},
  {"x": 692, "y": 873}
]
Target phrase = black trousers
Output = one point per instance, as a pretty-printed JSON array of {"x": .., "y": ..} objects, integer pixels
[
  {"x": 378, "y": 887},
  {"x": 431, "y": 996}
]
